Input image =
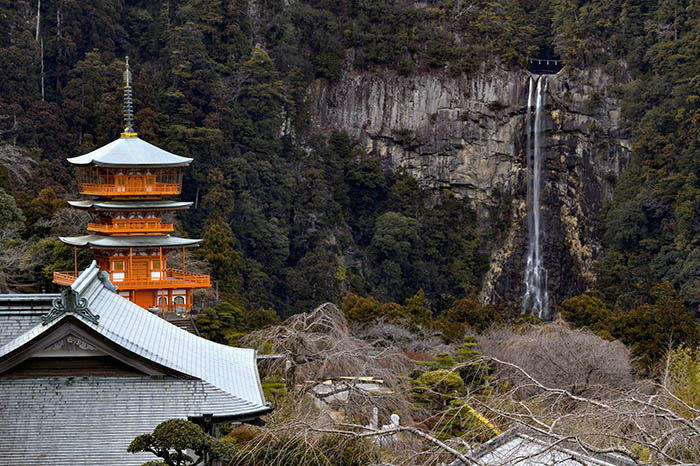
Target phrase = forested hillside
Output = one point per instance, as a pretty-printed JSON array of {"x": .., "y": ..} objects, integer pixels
[{"x": 291, "y": 218}]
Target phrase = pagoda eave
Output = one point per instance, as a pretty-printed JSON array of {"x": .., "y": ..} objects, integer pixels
[
  {"x": 126, "y": 242},
  {"x": 132, "y": 152},
  {"x": 134, "y": 165},
  {"x": 130, "y": 205}
]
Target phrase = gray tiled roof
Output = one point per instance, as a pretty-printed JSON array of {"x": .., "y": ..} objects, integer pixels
[
  {"x": 100, "y": 241},
  {"x": 523, "y": 446},
  {"x": 26, "y": 303},
  {"x": 233, "y": 370},
  {"x": 129, "y": 205},
  {"x": 91, "y": 420},
  {"x": 21, "y": 312},
  {"x": 129, "y": 152}
]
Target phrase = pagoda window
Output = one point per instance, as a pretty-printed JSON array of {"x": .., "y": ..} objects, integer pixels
[
  {"x": 118, "y": 271},
  {"x": 155, "y": 269},
  {"x": 169, "y": 176},
  {"x": 162, "y": 300}
]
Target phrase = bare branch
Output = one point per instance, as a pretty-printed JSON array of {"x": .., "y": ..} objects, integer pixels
[{"x": 12, "y": 158}]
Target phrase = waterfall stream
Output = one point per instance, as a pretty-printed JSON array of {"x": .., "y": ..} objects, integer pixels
[{"x": 535, "y": 300}]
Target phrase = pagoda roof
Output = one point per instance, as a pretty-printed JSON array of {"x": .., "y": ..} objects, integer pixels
[
  {"x": 121, "y": 242},
  {"x": 130, "y": 152},
  {"x": 130, "y": 205}
]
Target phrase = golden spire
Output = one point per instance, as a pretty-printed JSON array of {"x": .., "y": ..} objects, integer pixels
[{"x": 128, "y": 104}]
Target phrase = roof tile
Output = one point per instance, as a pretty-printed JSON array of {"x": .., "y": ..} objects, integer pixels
[{"x": 129, "y": 152}]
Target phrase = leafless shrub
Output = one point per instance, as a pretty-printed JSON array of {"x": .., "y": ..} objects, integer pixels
[
  {"x": 11, "y": 273},
  {"x": 236, "y": 83},
  {"x": 651, "y": 428},
  {"x": 568, "y": 385},
  {"x": 320, "y": 346},
  {"x": 297, "y": 438},
  {"x": 575, "y": 360},
  {"x": 419, "y": 340}
]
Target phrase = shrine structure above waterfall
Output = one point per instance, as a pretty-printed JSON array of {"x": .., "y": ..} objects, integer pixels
[{"x": 130, "y": 181}]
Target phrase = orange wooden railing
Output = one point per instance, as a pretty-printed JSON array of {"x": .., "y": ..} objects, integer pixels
[
  {"x": 131, "y": 227},
  {"x": 172, "y": 279},
  {"x": 130, "y": 189},
  {"x": 64, "y": 278},
  {"x": 194, "y": 277}
]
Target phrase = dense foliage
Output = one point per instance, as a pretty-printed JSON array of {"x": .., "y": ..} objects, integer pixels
[
  {"x": 291, "y": 219},
  {"x": 288, "y": 219},
  {"x": 651, "y": 228},
  {"x": 649, "y": 329}
]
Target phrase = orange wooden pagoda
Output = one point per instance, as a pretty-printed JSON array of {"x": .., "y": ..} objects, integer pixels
[{"x": 130, "y": 182}]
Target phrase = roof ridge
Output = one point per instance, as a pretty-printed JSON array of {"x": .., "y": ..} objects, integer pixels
[
  {"x": 108, "y": 242},
  {"x": 85, "y": 277}
]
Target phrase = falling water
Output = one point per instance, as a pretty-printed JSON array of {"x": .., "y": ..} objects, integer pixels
[{"x": 535, "y": 300}]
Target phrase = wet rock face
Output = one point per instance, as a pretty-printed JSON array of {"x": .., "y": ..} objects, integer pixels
[{"x": 467, "y": 134}]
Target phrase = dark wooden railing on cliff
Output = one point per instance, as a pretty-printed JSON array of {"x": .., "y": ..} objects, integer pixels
[{"x": 544, "y": 65}]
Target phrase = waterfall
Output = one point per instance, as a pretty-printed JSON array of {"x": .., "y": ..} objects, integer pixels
[{"x": 535, "y": 300}]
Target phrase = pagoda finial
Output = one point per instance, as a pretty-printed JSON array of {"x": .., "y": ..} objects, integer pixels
[{"x": 128, "y": 104}]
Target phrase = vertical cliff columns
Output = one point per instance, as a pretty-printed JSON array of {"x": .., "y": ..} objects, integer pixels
[{"x": 466, "y": 134}]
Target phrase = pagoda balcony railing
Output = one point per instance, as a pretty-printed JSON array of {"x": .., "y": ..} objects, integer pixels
[
  {"x": 64, "y": 278},
  {"x": 172, "y": 279},
  {"x": 131, "y": 227},
  {"x": 131, "y": 189}
]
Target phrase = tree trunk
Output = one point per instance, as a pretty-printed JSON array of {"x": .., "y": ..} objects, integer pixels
[
  {"x": 42, "y": 68},
  {"x": 38, "y": 19},
  {"x": 58, "y": 48}
]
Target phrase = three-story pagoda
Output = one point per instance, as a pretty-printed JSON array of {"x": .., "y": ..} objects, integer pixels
[{"x": 130, "y": 182}]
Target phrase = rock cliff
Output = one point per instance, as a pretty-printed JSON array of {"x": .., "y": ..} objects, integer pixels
[{"x": 466, "y": 134}]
